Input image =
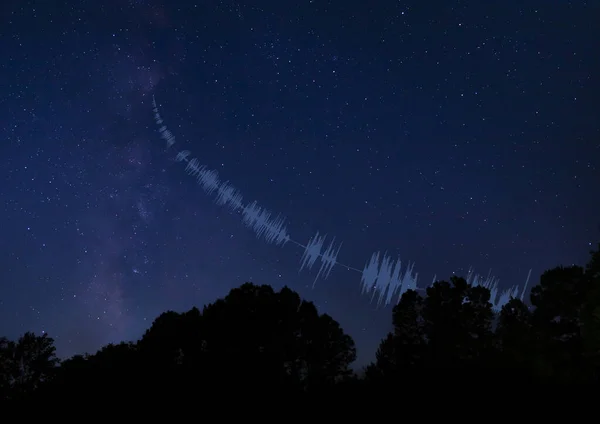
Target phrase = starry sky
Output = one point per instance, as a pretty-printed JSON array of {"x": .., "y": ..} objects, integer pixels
[{"x": 453, "y": 134}]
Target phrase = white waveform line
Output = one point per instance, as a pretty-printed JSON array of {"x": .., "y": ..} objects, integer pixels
[
  {"x": 313, "y": 251},
  {"x": 381, "y": 276},
  {"x": 272, "y": 230},
  {"x": 227, "y": 195},
  {"x": 340, "y": 264},
  {"x": 386, "y": 278},
  {"x": 259, "y": 219},
  {"x": 497, "y": 298},
  {"x": 164, "y": 132},
  {"x": 525, "y": 286}
]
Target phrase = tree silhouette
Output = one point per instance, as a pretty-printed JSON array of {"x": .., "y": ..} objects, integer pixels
[
  {"x": 444, "y": 334},
  {"x": 257, "y": 341},
  {"x": 450, "y": 332},
  {"x": 457, "y": 323},
  {"x": 6, "y": 365},
  {"x": 26, "y": 364},
  {"x": 566, "y": 321},
  {"x": 516, "y": 341},
  {"x": 591, "y": 315},
  {"x": 402, "y": 354},
  {"x": 252, "y": 335}
]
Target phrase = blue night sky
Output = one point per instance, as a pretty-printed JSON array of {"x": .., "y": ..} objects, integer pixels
[{"x": 451, "y": 134}]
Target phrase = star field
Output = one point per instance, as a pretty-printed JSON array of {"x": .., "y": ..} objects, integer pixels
[{"x": 452, "y": 134}]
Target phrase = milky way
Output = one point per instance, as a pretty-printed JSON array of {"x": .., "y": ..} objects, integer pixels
[{"x": 362, "y": 144}]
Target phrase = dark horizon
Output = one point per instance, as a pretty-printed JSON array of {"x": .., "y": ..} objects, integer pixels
[
  {"x": 444, "y": 135},
  {"x": 261, "y": 343}
]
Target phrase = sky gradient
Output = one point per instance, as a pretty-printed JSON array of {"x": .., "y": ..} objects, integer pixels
[{"x": 451, "y": 134}]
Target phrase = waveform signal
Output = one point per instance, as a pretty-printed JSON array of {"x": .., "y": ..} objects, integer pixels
[
  {"x": 314, "y": 250},
  {"x": 497, "y": 298},
  {"x": 389, "y": 278},
  {"x": 504, "y": 298},
  {"x": 259, "y": 220},
  {"x": 328, "y": 260},
  {"x": 182, "y": 156},
  {"x": 381, "y": 276},
  {"x": 208, "y": 179},
  {"x": 157, "y": 116},
  {"x": 409, "y": 281},
  {"x": 525, "y": 286},
  {"x": 229, "y": 196},
  {"x": 370, "y": 272},
  {"x": 164, "y": 132},
  {"x": 385, "y": 277},
  {"x": 193, "y": 167},
  {"x": 168, "y": 137}
]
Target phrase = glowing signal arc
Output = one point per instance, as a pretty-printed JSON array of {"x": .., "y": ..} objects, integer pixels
[
  {"x": 271, "y": 229},
  {"x": 314, "y": 250},
  {"x": 381, "y": 274}
]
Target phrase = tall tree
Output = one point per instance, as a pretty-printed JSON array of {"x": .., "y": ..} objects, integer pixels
[
  {"x": 559, "y": 300},
  {"x": 253, "y": 335},
  {"x": 26, "y": 363},
  {"x": 6, "y": 365},
  {"x": 402, "y": 353},
  {"x": 448, "y": 331},
  {"x": 516, "y": 339},
  {"x": 591, "y": 315},
  {"x": 458, "y": 322},
  {"x": 278, "y": 336}
]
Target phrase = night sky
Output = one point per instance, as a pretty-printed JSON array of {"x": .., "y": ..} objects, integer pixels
[{"x": 451, "y": 134}]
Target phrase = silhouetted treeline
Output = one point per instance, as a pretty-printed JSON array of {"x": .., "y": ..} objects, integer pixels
[{"x": 258, "y": 342}]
